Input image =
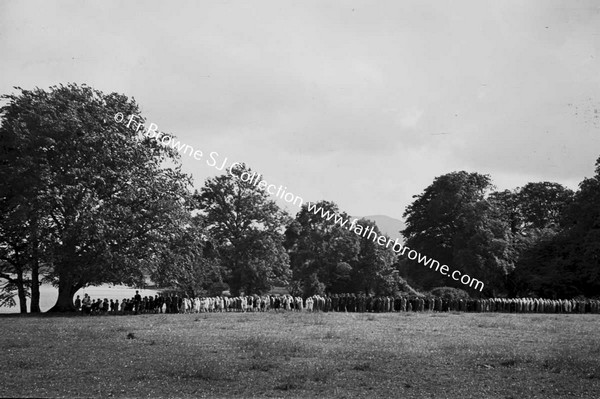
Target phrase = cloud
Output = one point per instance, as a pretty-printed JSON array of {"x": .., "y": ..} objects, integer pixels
[{"x": 340, "y": 101}]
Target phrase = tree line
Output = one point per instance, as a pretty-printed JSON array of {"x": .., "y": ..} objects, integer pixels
[
  {"x": 536, "y": 240},
  {"x": 85, "y": 200}
]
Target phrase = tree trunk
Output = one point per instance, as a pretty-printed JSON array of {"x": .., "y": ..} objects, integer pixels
[
  {"x": 35, "y": 287},
  {"x": 21, "y": 292},
  {"x": 35, "y": 270},
  {"x": 64, "y": 302}
]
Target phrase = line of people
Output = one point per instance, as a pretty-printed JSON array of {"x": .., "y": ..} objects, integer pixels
[
  {"x": 330, "y": 303},
  {"x": 89, "y": 306}
]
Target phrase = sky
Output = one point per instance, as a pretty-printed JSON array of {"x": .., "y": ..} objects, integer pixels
[{"x": 356, "y": 102}]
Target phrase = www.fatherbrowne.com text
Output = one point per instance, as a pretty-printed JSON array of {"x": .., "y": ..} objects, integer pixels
[
  {"x": 397, "y": 247},
  {"x": 280, "y": 192}
]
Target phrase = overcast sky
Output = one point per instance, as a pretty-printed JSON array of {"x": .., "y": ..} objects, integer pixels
[{"x": 360, "y": 103}]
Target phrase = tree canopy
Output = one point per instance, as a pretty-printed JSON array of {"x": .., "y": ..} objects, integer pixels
[
  {"x": 498, "y": 237},
  {"x": 91, "y": 200},
  {"x": 329, "y": 258},
  {"x": 247, "y": 227},
  {"x": 452, "y": 222},
  {"x": 321, "y": 251},
  {"x": 566, "y": 263}
]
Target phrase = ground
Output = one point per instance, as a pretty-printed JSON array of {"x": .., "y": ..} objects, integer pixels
[{"x": 414, "y": 355}]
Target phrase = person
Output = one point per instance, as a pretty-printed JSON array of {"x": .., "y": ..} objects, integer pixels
[
  {"x": 129, "y": 307},
  {"x": 158, "y": 303},
  {"x": 174, "y": 303},
  {"x": 403, "y": 304},
  {"x": 87, "y": 304},
  {"x": 137, "y": 300},
  {"x": 150, "y": 304},
  {"x": 78, "y": 303},
  {"x": 168, "y": 304},
  {"x": 96, "y": 306}
]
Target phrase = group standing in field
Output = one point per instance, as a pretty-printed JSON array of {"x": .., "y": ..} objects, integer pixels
[{"x": 329, "y": 303}]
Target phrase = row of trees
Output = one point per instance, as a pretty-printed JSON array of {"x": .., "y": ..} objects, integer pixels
[
  {"x": 541, "y": 239},
  {"x": 86, "y": 200}
]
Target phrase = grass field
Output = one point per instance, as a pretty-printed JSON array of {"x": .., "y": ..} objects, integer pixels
[{"x": 302, "y": 355}]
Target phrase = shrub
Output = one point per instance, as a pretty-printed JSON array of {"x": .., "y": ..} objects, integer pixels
[{"x": 449, "y": 293}]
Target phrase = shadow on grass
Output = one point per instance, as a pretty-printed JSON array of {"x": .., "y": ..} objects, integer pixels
[
  {"x": 365, "y": 366},
  {"x": 300, "y": 376},
  {"x": 267, "y": 349},
  {"x": 14, "y": 344},
  {"x": 27, "y": 364},
  {"x": 563, "y": 361},
  {"x": 45, "y": 315},
  {"x": 315, "y": 319},
  {"x": 557, "y": 360},
  {"x": 205, "y": 371}
]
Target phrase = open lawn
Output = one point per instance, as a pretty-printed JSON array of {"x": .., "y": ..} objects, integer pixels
[{"x": 302, "y": 355}]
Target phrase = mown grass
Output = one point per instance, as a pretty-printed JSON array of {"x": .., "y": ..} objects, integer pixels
[{"x": 302, "y": 355}]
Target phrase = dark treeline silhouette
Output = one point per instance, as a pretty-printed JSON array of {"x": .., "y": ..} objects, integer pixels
[{"x": 539, "y": 240}]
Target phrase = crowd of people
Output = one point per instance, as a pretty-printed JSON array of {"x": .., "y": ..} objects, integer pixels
[{"x": 331, "y": 303}]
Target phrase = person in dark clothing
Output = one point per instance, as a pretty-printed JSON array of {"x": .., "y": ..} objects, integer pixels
[
  {"x": 158, "y": 303},
  {"x": 105, "y": 306},
  {"x": 78, "y": 303},
  {"x": 96, "y": 306},
  {"x": 137, "y": 300},
  {"x": 87, "y": 305},
  {"x": 168, "y": 304}
]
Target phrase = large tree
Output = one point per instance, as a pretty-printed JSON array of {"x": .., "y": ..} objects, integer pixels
[
  {"x": 247, "y": 227},
  {"x": 191, "y": 264},
  {"x": 374, "y": 269},
  {"x": 99, "y": 190},
  {"x": 322, "y": 252},
  {"x": 566, "y": 263},
  {"x": 330, "y": 253},
  {"x": 534, "y": 214},
  {"x": 452, "y": 222}
]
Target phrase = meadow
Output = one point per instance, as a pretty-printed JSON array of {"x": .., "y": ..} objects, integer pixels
[{"x": 397, "y": 355}]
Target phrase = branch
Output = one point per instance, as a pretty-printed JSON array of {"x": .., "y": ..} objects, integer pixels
[{"x": 7, "y": 277}]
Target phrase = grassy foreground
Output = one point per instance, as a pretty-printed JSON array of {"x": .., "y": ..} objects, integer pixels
[{"x": 302, "y": 355}]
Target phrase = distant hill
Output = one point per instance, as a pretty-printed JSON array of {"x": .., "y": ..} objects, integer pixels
[{"x": 387, "y": 225}]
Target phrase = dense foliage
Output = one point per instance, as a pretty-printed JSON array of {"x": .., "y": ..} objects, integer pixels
[
  {"x": 329, "y": 258},
  {"x": 567, "y": 262},
  {"x": 247, "y": 228},
  {"x": 449, "y": 293},
  {"x": 86, "y": 200},
  {"x": 515, "y": 241},
  {"x": 452, "y": 222}
]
